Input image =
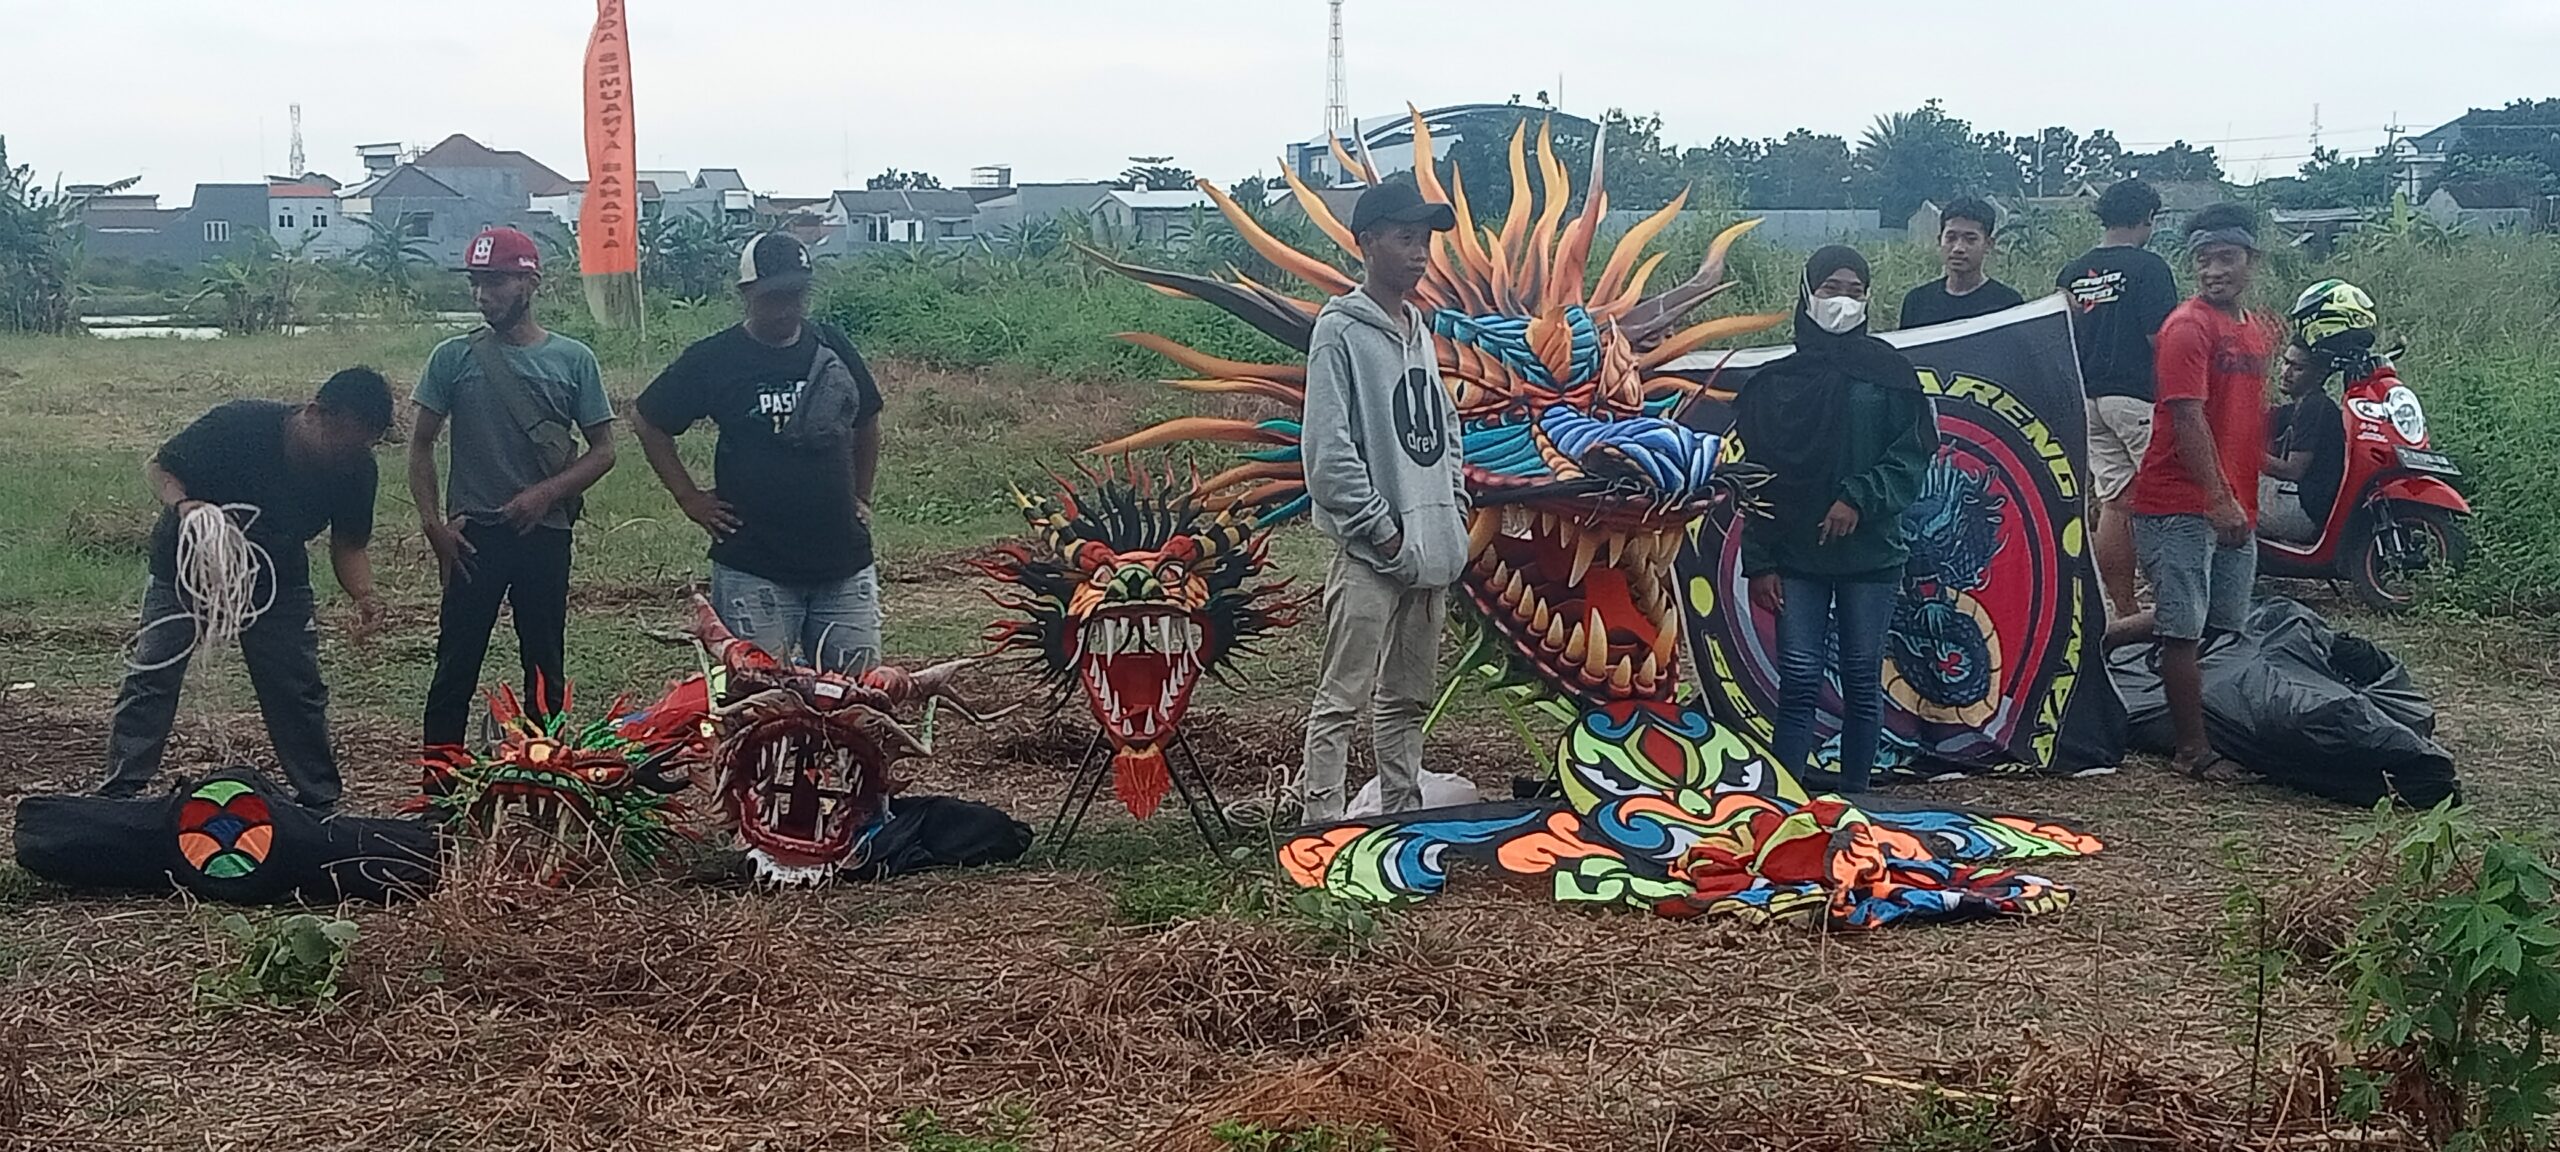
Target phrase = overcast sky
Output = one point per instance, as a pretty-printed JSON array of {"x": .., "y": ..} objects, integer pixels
[{"x": 802, "y": 96}]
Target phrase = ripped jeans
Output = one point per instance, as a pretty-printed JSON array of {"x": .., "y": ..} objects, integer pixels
[{"x": 833, "y": 626}]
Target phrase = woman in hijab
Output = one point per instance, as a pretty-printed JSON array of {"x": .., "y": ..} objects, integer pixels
[{"x": 1847, "y": 434}]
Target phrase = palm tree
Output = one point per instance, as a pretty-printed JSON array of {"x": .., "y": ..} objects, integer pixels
[{"x": 39, "y": 251}]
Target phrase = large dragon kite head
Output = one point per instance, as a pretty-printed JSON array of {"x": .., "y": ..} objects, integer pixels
[
  {"x": 585, "y": 791},
  {"x": 799, "y": 757},
  {"x": 1135, "y": 591},
  {"x": 1583, "y": 487}
]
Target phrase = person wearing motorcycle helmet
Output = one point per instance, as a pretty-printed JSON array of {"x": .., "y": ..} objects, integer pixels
[{"x": 2333, "y": 327}]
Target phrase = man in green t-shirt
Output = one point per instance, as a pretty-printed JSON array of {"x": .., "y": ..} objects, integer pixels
[{"x": 511, "y": 392}]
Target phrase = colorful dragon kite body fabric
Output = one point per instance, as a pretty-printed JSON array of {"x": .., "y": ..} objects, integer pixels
[
  {"x": 798, "y": 758},
  {"x": 1584, "y": 493},
  {"x": 1135, "y": 592}
]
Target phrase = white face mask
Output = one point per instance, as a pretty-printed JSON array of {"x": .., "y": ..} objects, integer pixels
[{"x": 1837, "y": 315}]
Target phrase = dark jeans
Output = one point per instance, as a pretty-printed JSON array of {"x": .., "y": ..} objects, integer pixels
[
  {"x": 1864, "y": 614},
  {"x": 282, "y": 651},
  {"x": 529, "y": 572}
]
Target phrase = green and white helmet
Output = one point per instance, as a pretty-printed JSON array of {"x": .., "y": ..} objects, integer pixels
[{"x": 2334, "y": 316}]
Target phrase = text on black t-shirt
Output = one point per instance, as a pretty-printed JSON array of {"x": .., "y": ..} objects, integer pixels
[
  {"x": 793, "y": 496},
  {"x": 2120, "y": 296}
]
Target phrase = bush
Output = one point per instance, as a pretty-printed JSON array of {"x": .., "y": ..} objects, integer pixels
[
  {"x": 278, "y": 960},
  {"x": 2454, "y": 964}
]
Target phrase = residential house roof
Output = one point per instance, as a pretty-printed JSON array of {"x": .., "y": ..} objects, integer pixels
[
  {"x": 2189, "y": 195},
  {"x": 1166, "y": 201},
  {"x": 130, "y": 219},
  {"x": 287, "y": 191},
  {"x": 2479, "y": 194},
  {"x": 404, "y": 181},
  {"x": 1338, "y": 201},
  {"x": 460, "y": 151},
  {"x": 665, "y": 178},
  {"x": 720, "y": 180},
  {"x": 906, "y": 203}
]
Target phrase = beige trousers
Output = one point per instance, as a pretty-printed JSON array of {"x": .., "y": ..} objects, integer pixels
[{"x": 1381, "y": 655}]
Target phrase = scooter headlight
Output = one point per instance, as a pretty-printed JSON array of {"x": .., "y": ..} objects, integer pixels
[
  {"x": 2398, "y": 408},
  {"x": 2406, "y": 417}
]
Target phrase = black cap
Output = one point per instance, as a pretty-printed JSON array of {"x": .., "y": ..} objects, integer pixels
[
  {"x": 775, "y": 258},
  {"x": 1399, "y": 203}
]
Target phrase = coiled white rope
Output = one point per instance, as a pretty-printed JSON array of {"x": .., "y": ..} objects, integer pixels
[{"x": 217, "y": 579}]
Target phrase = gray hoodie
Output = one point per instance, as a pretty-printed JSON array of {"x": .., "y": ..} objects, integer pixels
[{"x": 1382, "y": 442}]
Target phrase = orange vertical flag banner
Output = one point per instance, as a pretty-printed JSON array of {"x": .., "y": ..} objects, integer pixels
[{"x": 609, "y": 215}]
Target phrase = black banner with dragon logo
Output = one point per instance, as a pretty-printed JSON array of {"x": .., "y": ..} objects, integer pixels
[{"x": 1994, "y": 662}]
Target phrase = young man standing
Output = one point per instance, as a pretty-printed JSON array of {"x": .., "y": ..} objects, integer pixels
[
  {"x": 1968, "y": 232},
  {"x": 2120, "y": 295},
  {"x": 789, "y": 510},
  {"x": 2196, "y": 496},
  {"x": 512, "y": 392},
  {"x": 1384, "y": 474},
  {"x": 302, "y": 468}
]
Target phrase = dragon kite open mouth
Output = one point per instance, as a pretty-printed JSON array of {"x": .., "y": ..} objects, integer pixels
[
  {"x": 800, "y": 757},
  {"x": 1585, "y": 594},
  {"x": 1136, "y": 593},
  {"x": 566, "y": 798}
]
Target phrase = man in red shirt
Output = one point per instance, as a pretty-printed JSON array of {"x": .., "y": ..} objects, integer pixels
[{"x": 2194, "y": 498}]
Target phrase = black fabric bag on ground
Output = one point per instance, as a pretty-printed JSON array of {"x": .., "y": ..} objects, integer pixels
[
  {"x": 233, "y": 837},
  {"x": 2306, "y": 706},
  {"x": 96, "y": 842},
  {"x": 929, "y": 832}
]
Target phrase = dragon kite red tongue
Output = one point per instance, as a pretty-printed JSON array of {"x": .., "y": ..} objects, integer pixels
[
  {"x": 1138, "y": 671},
  {"x": 1134, "y": 592}
]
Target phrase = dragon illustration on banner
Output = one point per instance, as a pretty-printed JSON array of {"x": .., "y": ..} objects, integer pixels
[
  {"x": 1584, "y": 492},
  {"x": 1135, "y": 591}
]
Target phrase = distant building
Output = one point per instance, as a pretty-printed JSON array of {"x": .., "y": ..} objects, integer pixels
[
  {"x": 222, "y": 220},
  {"x": 2484, "y": 206},
  {"x": 898, "y": 216},
  {"x": 1001, "y": 216},
  {"x": 447, "y": 194},
  {"x": 2420, "y": 162},
  {"x": 306, "y": 216},
  {"x": 1389, "y": 139},
  {"x": 2316, "y": 230},
  {"x": 1146, "y": 216}
]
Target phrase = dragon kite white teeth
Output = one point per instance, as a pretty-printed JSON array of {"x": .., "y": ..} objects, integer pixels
[{"x": 1135, "y": 593}]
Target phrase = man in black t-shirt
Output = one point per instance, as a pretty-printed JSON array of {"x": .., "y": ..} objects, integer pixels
[
  {"x": 1968, "y": 231},
  {"x": 789, "y": 509},
  {"x": 2306, "y": 453},
  {"x": 298, "y": 469},
  {"x": 2120, "y": 295}
]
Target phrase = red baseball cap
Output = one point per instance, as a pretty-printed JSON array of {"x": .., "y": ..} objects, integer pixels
[{"x": 502, "y": 250}]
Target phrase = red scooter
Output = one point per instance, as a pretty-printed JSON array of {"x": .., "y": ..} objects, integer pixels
[{"x": 2394, "y": 521}]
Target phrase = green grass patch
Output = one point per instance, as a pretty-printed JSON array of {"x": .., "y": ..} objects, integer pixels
[{"x": 1005, "y": 1127}]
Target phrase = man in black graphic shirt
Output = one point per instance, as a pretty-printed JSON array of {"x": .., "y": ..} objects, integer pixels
[
  {"x": 1968, "y": 231},
  {"x": 299, "y": 470},
  {"x": 2120, "y": 295},
  {"x": 789, "y": 509}
]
